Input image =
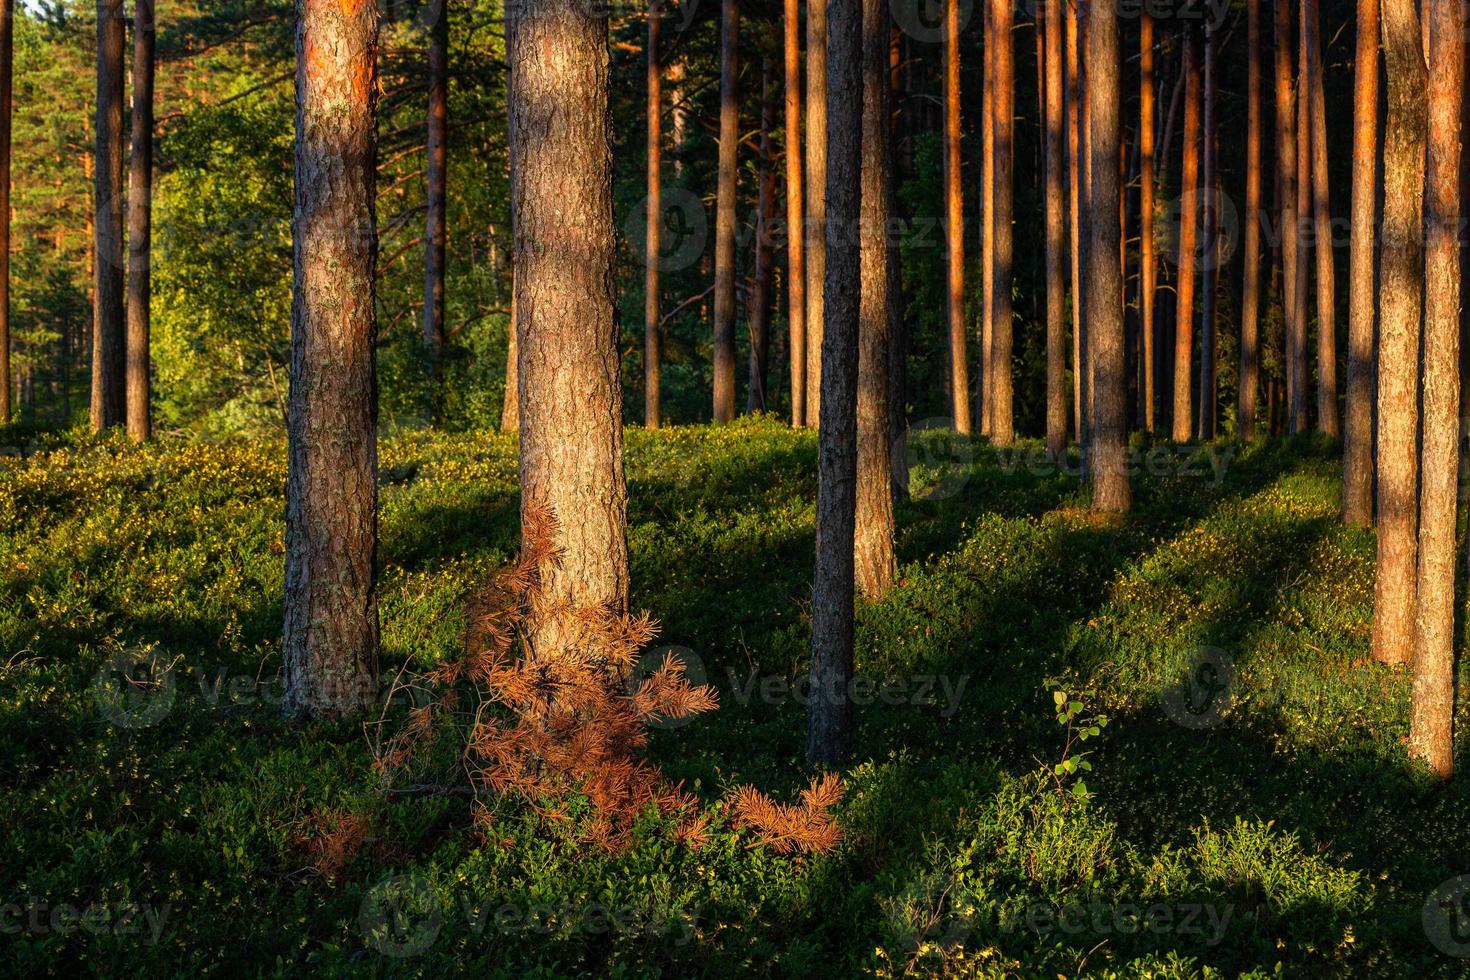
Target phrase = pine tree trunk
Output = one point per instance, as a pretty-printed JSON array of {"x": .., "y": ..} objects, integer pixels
[
  {"x": 1147, "y": 272},
  {"x": 331, "y": 606},
  {"x": 109, "y": 332},
  {"x": 897, "y": 331},
  {"x": 436, "y": 202},
  {"x": 724, "y": 326},
  {"x": 816, "y": 201},
  {"x": 1357, "y": 450},
  {"x": 510, "y": 406},
  {"x": 1322, "y": 215},
  {"x": 983, "y": 388},
  {"x": 1286, "y": 153},
  {"x": 1303, "y": 206},
  {"x": 570, "y": 392},
  {"x": 1401, "y": 277},
  {"x": 1001, "y": 391},
  {"x": 140, "y": 227},
  {"x": 954, "y": 225},
  {"x": 1077, "y": 201},
  {"x": 829, "y": 728},
  {"x": 1209, "y": 255},
  {"x": 1111, "y": 491},
  {"x": 7, "y": 57},
  {"x": 1431, "y": 729},
  {"x": 875, "y": 566},
  {"x": 1056, "y": 232},
  {"x": 653, "y": 236},
  {"x": 1250, "y": 296},
  {"x": 795, "y": 217},
  {"x": 1189, "y": 209},
  {"x": 759, "y": 314}
]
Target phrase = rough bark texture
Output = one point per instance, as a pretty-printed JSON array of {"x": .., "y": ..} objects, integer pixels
[
  {"x": 109, "y": 332},
  {"x": 1401, "y": 277},
  {"x": 1147, "y": 271},
  {"x": 7, "y": 48},
  {"x": 510, "y": 406},
  {"x": 795, "y": 217},
  {"x": 1111, "y": 490},
  {"x": 1209, "y": 256},
  {"x": 140, "y": 227},
  {"x": 761, "y": 279},
  {"x": 829, "y": 728},
  {"x": 1188, "y": 245},
  {"x": 436, "y": 200},
  {"x": 1322, "y": 217},
  {"x": 653, "y": 237},
  {"x": 570, "y": 392},
  {"x": 724, "y": 326},
  {"x": 875, "y": 566},
  {"x": 1286, "y": 177},
  {"x": 954, "y": 225},
  {"x": 331, "y": 608},
  {"x": 1003, "y": 92},
  {"x": 1056, "y": 233},
  {"x": 816, "y": 200},
  {"x": 1250, "y": 293},
  {"x": 1357, "y": 449},
  {"x": 1431, "y": 727}
]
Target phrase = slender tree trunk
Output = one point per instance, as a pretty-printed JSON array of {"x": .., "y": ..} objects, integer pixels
[
  {"x": 724, "y": 340},
  {"x": 570, "y": 393},
  {"x": 1003, "y": 92},
  {"x": 1401, "y": 277},
  {"x": 1209, "y": 257},
  {"x": 873, "y": 554},
  {"x": 510, "y": 407},
  {"x": 1357, "y": 450},
  {"x": 759, "y": 314},
  {"x": 7, "y": 57},
  {"x": 897, "y": 333},
  {"x": 795, "y": 216},
  {"x": 954, "y": 225},
  {"x": 1250, "y": 294},
  {"x": 1111, "y": 491},
  {"x": 653, "y": 237},
  {"x": 1322, "y": 213},
  {"x": 109, "y": 334},
  {"x": 1286, "y": 152},
  {"x": 436, "y": 203},
  {"x": 1189, "y": 209},
  {"x": 678, "y": 114},
  {"x": 1304, "y": 225},
  {"x": 829, "y": 728},
  {"x": 331, "y": 606},
  {"x": 1147, "y": 273},
  {"x": 1056, "y": 232},
  {"x": 816, "y": 200},
  {"x": 1431, "y": 729},
  {"x": 140, "y": 227},
  {"x": 1077, "y": 200}
]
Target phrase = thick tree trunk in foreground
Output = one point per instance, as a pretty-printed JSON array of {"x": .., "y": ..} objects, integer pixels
[
  {"x": 436, "y": 201},
  {"x": 1286, "y": 153},
  {"x": 140, "y": 228},
  {"x": 570, "y": 393},
  {"x": 331, "y": 621},
  {"x": 1401, "y": 277},
  {"x": 1210, "y": 254},
  {"x": 761, "y": 280},
  {"x": 724, "y": 327},
  {"x": 795, "y": 217},
  {"x": 1322, "y": 216},
  {"x": 875, "y": 566},
  {"x": 7, "y": 57},
  {"x": 954, "y": 225},
  {"x": 1250, "y": 294},
  {"x": 653, "y": 236},
  {"x": 1189, "y": 209},
  {"x": 1111, "y": 491},
  {"x": 1147, "y": 272},
  {"x": 1431, "y": 729},
  {"x": 829, "y": 727},
  {"x": 816, "y": 200},
  {"x": 1056, "y": 232},
  {"x": 1357, "y": 449},
  {"x": 109, "y": 332},
  {"x": 1003, "y": 92}
]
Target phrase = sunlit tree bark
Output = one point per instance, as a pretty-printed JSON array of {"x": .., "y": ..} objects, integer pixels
[
  {"x": 1322, "y": 218},
  {"x": 954, "y": 225},
  {"x": 724, "y": 325},
  {"x": 1076, "y": 201},
  {"x": 1003, "y": 92},
  {"x": 140, "y": 228},
  {"x": 1056, "y": 232},
  {"x": 1303, "y": 227},
  {"x": 109, "y": 332},
  {"x": 795, "y": 216},
  {"x": 1357, "y": 462},
  {"x": 1210, "y": 256},
  {"x": 816, "y": 200},
  {"x": 653, "y": 235},
  {"x": 1189, "y": 208},
  {"x": 1250, "y": 302},
  {"x": 1286, "y": 158},
  {"x": 1147, "y": 273}
]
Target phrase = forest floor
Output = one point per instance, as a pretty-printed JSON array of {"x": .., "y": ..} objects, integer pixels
[{"x": 1249, "y": 808}]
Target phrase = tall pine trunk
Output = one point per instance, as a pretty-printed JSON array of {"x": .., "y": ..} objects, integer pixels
[
  {"x": 1250, "y": 294},
  {"x": 1401, "y": 279},
  {"x": 1286, "y": 156},
  {"x": 571, "y": 449},
  {"x": 1322, "y": 218},
  {"x": 897, "y": 332},
  {"x": 795, "y": 217},
  {"x": 109, "y": 332},
  {"x": 816, "y": 200},
  {"x": 140, "y": 227},
  {"x": 724, "y": 326},
  {"x": 954, "y": 225},
  {"x": 1209, "y": 255},
  {"x": 1003, "y": 93},
  {"x": 1357, "y": 449},
  {"x": 1303, "y": 209},
  {"x": 1189, "y": 209},
  {"x": 987, "y": 222},
  {"x": 653, "y": 236},
  {"x": 761, "y": 281},
  {"x": 1056, "y": 232},
  {"x": 1147, "y": 271},
  {"x": 829, "y": 725},
  {"x": 331, "y": 607},
  {"x": 436, "y": 202},
  {"x": 1431, "y": 727},
  {"x": 1076, "y": 207}
]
